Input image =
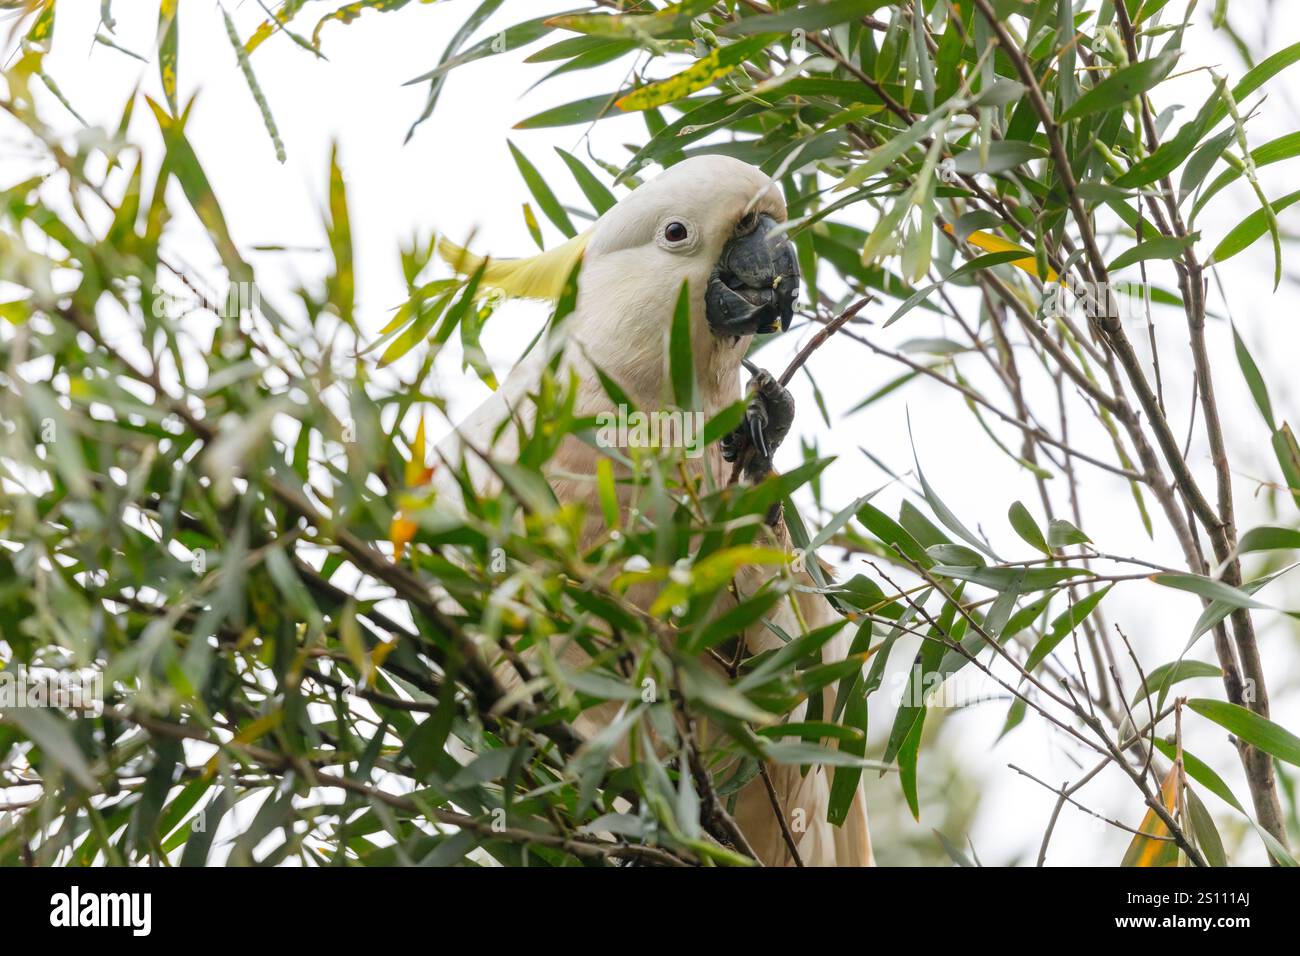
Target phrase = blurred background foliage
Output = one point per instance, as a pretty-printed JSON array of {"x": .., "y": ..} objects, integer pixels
[{"x": 214, "y": 495}]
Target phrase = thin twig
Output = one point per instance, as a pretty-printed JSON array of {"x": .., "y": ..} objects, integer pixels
[
  {"x": 744, "y": 450},
  {"x": 779, "y": 813}
]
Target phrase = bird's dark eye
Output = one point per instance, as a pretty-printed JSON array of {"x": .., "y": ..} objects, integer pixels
[{"x": 675, "y": 232}]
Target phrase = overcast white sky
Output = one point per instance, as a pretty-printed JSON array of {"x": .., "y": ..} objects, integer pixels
[{"x": 456, "y": 175}]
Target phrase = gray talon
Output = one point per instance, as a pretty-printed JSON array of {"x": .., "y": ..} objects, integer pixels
[
  {"x": 768, "y": 418},
  {"x": 756, "y": 435}
]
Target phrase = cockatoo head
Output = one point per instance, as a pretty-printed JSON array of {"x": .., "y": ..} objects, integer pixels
[{"x": 713, "y": 222}]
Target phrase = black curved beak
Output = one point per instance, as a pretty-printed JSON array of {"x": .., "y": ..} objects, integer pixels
[{"x": 755, "y": 284}]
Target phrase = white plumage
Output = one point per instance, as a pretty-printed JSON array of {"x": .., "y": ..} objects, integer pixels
[{"x": 628, "y": 286}]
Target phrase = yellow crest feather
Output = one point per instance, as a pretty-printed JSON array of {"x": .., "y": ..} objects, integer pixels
[{"x": 538, "y": 277}]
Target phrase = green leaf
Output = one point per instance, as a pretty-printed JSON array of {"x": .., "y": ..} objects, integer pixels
[
  {"x": 1202, "y": 161},
  {"x": 889, "y": 151},
  {"x": 199, "y": 842},
  {"x": 1166, "y": 675},
  {"x": 1025, "y": 526},
  {"x": 183, "y": 163},
  {"x": 41, "y": 34},
  {"x": 812, "y": 730},
  {"x": 1165, "y": 247},
  {"x": 1216, "y": 611},
  {"x": 1288, "y": 458},
  {"x": 1249, "y": 229},
  {"x": 1064, "y": 625},
  {"x": 341, "y": 287},
  {"x": 1267, "y": 538},
  {"x": 956, "y": 555},
  {"x": 607, "y": 493},
  {"x": 1275, "y": 151},
  {"x": 948, "y": 519},
  {"x": 451, "y": 849},
  {"x": 955, "y": 853},
  {"x": 517, "y": 35},
  {"x": 53, "y": 734},
  {"x": 793, "y": 752},
  {"x": 1258, "y": 76},
  {"x": 1254, "y": 379},
  {"x": 1121, "y": 86},
  {"x": 710, "y": 691},
  {"x": 999, "y": 579},
  {"x": 852, "y": 696},
  {"x": 734, "y": 621},
  {"x": 681, "y": 361},
  {"x": 840, "y": 519},
  {"x": 908, "y": 755},
  {"x": 1251, "y": 727},
  {"x": 1002, "y": 155},
  {"x": 890, "y": 532},
  {"x": 1015, "y": 716},
  {"x": 1204, "y": 830},
  {"x": 724, "y": 422},
  {"x": 1171, "y": 153},
  {"x": 542, "y": 193},
  {"x": 966, "y": 268},
  {"x": 1207, "y": 588},
  {"x": 1203, "y": 774},
  {"x": 671, "y": 19},
  {"x": 597, "y": 194},
  {"x": 1062, "y": 534},
  {"x": 977, "y": 219},
  {"x": 809, "y": 17},
  {"x": 425, "y": 315},
  {"x": 999, "y": 615},
  {"x": 586, "y": 110}
]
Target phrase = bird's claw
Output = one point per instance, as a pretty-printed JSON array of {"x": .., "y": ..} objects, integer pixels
[
  {"x": 768, "y": 417},
  {"x": 730, "y": 446},
  {"x": 756, "y": 434}
]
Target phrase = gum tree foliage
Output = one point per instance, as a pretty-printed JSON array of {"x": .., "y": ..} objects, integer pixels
[{"x": 227, "y": 514}]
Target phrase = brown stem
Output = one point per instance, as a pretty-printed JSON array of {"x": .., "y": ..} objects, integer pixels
[{"x": 1219, "y": 525}]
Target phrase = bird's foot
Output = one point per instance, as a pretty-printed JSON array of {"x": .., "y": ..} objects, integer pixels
[{"x": 768, "y": 417}]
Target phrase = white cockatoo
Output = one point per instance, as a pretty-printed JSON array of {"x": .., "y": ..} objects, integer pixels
[{"x": 711, "y": 221}]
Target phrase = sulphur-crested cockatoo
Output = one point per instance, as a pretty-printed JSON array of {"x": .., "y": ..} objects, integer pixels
[{"x": 714, "y": 222}]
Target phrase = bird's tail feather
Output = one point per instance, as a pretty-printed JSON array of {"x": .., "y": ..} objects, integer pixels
[{"x": 803, "y": 799}]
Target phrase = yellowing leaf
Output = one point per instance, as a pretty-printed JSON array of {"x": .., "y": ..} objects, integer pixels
[
  {"x": 700, "y": 74},
  {"x": 169, "y": 34},
  {"x": 17, "y": 312},
  {"x": 993, "y": 243},
  {"x": 417, "y": 472},
  {"x": 400, "y": 532},
  {"x": 377, "y": 657},
  {"x": 1144, "y": 851},
  {"x": 350, "y": 11},
  {"x": 635, "y": 26},
  {"x": 256, "y": 730},
  {"x": 42, "y": 30},
  {"x": 282, "y": 16}
]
